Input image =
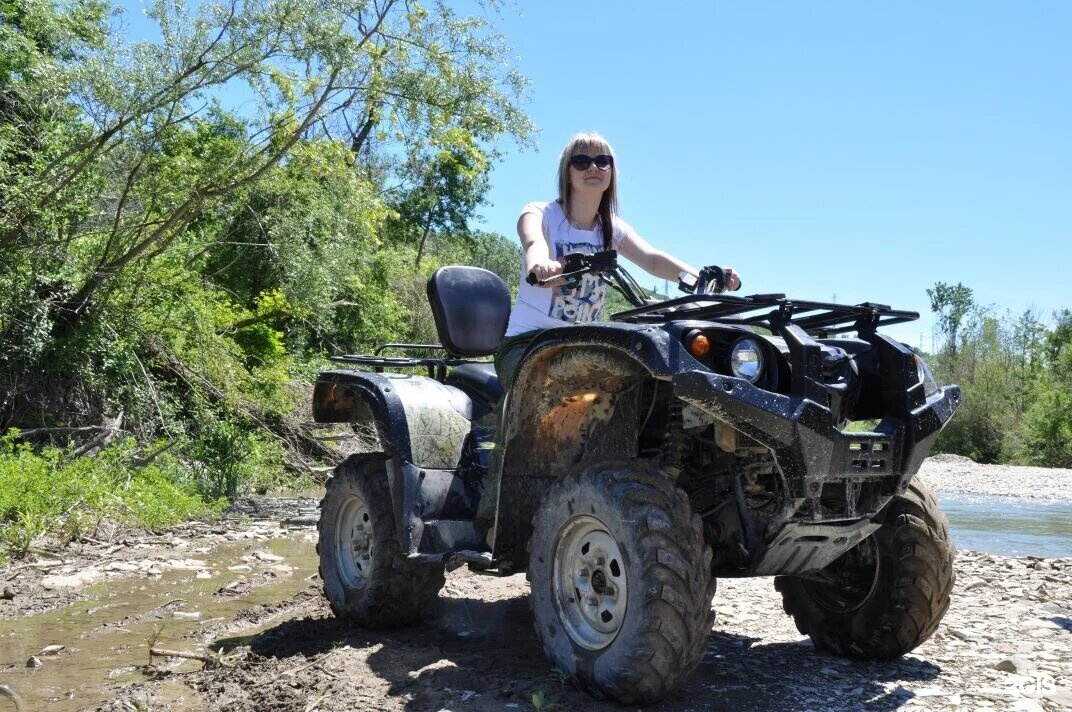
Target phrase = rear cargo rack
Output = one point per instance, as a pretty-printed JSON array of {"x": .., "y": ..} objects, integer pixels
[
  {"x": 435, "y": 365},
  {"x": 820, "y": 319}
]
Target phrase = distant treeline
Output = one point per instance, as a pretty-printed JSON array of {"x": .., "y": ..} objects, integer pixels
[{"x": 1016, "y": 376}]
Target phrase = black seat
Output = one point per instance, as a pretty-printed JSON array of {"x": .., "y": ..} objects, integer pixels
[
  {"x": 477, "y": 379},
  {"x": 471, "y": 307}
]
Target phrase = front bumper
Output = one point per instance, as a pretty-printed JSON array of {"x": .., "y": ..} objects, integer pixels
[{"x": 811, "y": 452}]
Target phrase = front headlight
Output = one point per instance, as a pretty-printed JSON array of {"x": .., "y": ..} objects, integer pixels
[
  {"x": 746, "y": 360},
  {"x": 930, "y": 386}
]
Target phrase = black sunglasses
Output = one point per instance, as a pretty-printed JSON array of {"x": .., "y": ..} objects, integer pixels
[{"x": 582, "y": 162}]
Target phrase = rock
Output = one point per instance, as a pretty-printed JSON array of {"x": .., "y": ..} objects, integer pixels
[
  {"x": 185, "y": 564},
  {"x": 34, "y": 662},
  {"x": 268, "y": 557},
  {"x": 75, "y": 580},
  {"x": 1062, "y": 696},
  {"x": 51, "y": 649},
  {"x": 930, "y": 692},
  {"x": 240, "y": 569},
  {"x": 203, "y": 574},
  {"x": 1015, "y": 663},
  {"x": 187, "y": 615},
  {"x": 124, "y": 566}
]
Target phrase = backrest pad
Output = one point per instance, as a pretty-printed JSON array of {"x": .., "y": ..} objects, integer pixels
[{"x": 471, "y": 307}]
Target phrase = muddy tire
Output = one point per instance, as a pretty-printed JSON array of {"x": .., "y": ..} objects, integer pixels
[
  {"x": 366, "y": 578},
  {"x": 888, "y": 594},
  {"x": 621, "y": 582}
]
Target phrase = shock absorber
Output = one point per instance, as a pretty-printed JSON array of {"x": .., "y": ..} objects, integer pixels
[{"x": 674, "y": 441}]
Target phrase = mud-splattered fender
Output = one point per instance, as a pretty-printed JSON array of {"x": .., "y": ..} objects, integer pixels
[
  {"x": 574, "y": 401},
  {"x": 422, "y": 425}
]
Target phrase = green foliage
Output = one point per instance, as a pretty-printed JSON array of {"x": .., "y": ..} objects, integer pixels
[
  {"x": 230, "y": 458},
  {"x": 1015, "y": 381},
  {"x": 951, "y": 304},
  {"x": 49, "y": 492},
  {"x": 175, "y": 260}
]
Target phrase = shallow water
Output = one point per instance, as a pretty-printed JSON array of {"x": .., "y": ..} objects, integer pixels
[
  {"x": 1009, "y": 526},
  {"x": 107, "y": 636}
]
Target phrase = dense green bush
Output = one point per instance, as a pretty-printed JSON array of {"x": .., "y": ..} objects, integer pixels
[{"x": 49, "y": 491}]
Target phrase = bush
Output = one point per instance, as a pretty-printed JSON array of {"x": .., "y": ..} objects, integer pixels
[{"x": 48, "y": 492}]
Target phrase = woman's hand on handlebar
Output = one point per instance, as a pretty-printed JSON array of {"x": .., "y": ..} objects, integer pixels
[
  {"x": 731, "y": 279},
  {"x": 544, "y": 271}
]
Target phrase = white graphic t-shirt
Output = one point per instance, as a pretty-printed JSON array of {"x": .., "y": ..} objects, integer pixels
[{"x": 543, "y": 308}]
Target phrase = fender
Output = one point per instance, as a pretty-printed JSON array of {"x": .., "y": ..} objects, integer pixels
[
  {"x": 422, "y": 427},
  {"x": 570, "y": 407}
]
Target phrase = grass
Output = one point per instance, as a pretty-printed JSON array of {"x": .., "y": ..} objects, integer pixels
[{"x": 50, "y": 492}]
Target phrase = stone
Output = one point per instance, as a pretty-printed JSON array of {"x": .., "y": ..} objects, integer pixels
[
  {"x": 185, "y": 564},
  {"x": 52, "y": 649},
  {"x": 34, "y": 662},
  {"x": 74, "y": 580},
  {"x": 122, "y": 566},
  {"x": 268, "y": 557},
  {"x": 931, "y": 692},
  {"x": 1015, "y": 663}
]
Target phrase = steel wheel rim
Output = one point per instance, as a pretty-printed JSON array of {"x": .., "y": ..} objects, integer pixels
[
  {"x": 589, "y": 583},
  {"x": 353, "y": 543}
]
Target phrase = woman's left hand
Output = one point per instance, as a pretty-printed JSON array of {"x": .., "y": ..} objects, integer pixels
[{"x": 731, "y": 279}]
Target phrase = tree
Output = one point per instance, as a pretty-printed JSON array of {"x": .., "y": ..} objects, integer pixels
[
  {"x": 143, "y": 215},
  {"x": 952, "y": 304}
]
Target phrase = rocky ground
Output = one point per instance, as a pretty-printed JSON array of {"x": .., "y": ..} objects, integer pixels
[
  {"x": 955, "y": 473},
  {"x": 243, "y": 596}
]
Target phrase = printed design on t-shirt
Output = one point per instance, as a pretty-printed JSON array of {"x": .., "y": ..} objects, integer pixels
[{"x": 585, "y": 303}]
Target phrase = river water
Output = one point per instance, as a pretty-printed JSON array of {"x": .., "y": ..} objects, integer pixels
[{"x": 1009, "y": 526}]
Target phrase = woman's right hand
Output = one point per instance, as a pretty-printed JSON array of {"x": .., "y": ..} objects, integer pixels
[{"x": 545, "y": 270}]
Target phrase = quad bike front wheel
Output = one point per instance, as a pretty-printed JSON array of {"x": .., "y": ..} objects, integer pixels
[
  {"x": 621, "y": 582},
  {"x": 366, "y": 578},
  {"x": 885, "y": 596}
]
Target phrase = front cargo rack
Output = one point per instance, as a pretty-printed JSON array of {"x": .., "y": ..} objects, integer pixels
[{"x": 820, "y": 319}]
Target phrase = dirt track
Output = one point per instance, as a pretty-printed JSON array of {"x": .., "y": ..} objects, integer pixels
[{"x": 1006, "y": 643}]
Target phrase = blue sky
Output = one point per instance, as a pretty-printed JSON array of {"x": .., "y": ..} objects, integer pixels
[{"x": 859, "y": 149}]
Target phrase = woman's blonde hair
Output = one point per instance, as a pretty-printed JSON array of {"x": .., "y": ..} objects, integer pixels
[{"x": 593, "y": 145}]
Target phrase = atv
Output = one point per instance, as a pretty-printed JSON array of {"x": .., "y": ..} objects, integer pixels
[{"x": 627, "y": 464}]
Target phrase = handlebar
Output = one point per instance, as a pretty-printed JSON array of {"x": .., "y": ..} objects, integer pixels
[
  {"x": 712, "y": 279},
  {"x": 576, "y": 265}
]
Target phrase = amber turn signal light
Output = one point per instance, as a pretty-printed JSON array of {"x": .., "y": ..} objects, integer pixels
[{"x": 698, "y": 345}]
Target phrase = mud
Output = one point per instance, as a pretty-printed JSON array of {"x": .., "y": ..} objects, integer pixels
[{"x": 271, "y": 644}]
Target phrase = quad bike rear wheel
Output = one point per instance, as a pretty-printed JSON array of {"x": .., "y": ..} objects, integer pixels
[
  {"x": 621, "y": 582},
  {"x": 885, "y": 596},
  {"x": 366, "y": 578}
]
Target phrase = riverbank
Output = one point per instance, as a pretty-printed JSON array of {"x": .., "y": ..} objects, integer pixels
[
  {"x": 957, "y": 474},
  {"x": 246, "y": 587}
]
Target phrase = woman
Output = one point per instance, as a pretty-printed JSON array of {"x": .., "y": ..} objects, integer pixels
[{"x": 583, "y": 219}]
